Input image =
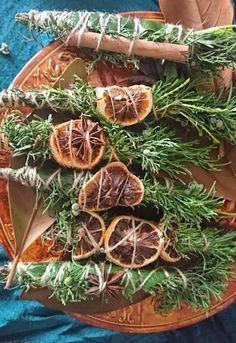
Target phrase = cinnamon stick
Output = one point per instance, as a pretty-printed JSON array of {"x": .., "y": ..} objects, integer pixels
[{"x": 171, "y": 52}]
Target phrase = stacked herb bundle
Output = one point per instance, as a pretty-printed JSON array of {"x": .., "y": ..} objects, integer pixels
[{"x": 101, "y": 207}]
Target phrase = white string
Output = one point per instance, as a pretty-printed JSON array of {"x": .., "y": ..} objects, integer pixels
[
  {"x": 26, "y": 176},
  {"x": 103, "y": 27},
  {"x": 118, "y": 24},
  {"x": 146, "y": 279},
  {"x": 135, "y": 34},
  {"x": 168, "y": 32},
  {"x": 185, "y": 282},
  {"x": 132, "y": 100},
  {"x": 29, "y": 177},
  {"x": 112, "y": 103},
  {"x": 60, "y": 274},
  {"x": 79, "y": 28},
  {"x": 77, "y": 179},
  {"x": 92, "y": 240},
  {"x": 123, "y": 239},
  {"x": 102, "y": 284}
]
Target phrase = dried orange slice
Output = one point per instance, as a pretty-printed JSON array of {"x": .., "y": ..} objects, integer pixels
[
  {"x": 111, "y": 186},
  {"x": 132, "y": 242},
  {"x": 169, "y": 252},
  {"x": 90, "y": 235},
  {"x": 124, "y": 105},
  {"x": 78, "y": 143}
]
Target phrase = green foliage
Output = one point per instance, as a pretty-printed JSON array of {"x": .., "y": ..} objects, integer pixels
[
  {"x": 212, "y": 116},
  {"x": 28, "y": 138},
  {"x": 189, "y": 203}
]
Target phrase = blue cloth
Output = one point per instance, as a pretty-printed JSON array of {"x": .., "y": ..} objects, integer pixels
[{"x": 29, "y": 321}]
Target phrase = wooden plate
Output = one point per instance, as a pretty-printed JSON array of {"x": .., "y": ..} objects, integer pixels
[{"x": 44, "y": 69}]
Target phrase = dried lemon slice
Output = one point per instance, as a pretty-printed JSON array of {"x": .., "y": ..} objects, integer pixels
[
  {"x": 90, "y": 235},
  {"x": 124, "y": 105},
  {"x": 111, "y": 186},
  {"x": 169, "y": 252},
  {"x": 132, "y": 242},
  {"x": 78, "y": 143}
]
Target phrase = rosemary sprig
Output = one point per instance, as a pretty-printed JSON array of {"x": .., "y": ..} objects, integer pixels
[
  {"x": 28, "y": 138},
  {"x": 157, "y": 149},
  {"x": 208, "y": 242},
  {"x": 114, "y": 59},
  {"x": 209, "y": 49},
  {"x": 212, "y": 116},
  {"x": 189, "y": 203},
  {"x": 197, "y": 286}
]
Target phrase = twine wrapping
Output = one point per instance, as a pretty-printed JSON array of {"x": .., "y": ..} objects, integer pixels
[{"x": 81, "y": 37}]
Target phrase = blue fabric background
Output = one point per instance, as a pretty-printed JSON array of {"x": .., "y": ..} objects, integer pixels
[{"x": 28, "y": 321}]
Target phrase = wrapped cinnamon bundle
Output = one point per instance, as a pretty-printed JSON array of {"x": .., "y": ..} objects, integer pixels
[{"x": 209, "y": 48}]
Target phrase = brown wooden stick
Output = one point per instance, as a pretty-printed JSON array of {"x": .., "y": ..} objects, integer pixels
[
  {"x": 21, "y": 248},
  {"x": 171, "y": 52}
]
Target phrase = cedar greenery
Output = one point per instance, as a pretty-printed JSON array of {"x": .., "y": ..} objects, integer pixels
[{"x": 209, "y": 49}]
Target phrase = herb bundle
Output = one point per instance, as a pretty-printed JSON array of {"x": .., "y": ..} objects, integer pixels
[
  {"x": 210, "y": 48},
  {"x": 157, "y": 149},
  {"x": 212, "y": 116},
  {"x": 190, "y": 203},
  {"x": 76, "y": 281}
]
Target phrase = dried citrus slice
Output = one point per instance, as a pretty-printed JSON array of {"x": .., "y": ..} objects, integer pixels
[
  {"x": 124, "y": 105},
  {"x": 132, "y": 242},
  {"x": 90, "y": 235},
  {"x": 169, "y": 252},
  {"x": 78, "y": 143},
  {"x": 111, "y": 186}
]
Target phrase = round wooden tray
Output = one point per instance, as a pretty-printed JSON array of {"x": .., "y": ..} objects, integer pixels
[{"x": 44, "y": 69}]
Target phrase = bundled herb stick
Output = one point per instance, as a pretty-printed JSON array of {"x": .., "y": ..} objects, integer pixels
[
  {"x": 212, "y": 116},
  {"x": 118, "y": 186},
  {"x": 157, "y": 149},
  {"x": 210, "y": 48},
  {"x": 79, "y": 281}
]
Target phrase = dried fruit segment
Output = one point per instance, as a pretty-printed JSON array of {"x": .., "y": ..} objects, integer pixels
[
  {"x": 111, "y": 186},
  {"x": 90, "y": 235},
  {"x": 78, "y": 143},
  {"x": 124, "y": 105},
  {"x": 169, "y": 252},
  {"x": 132, "y": 242}
]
